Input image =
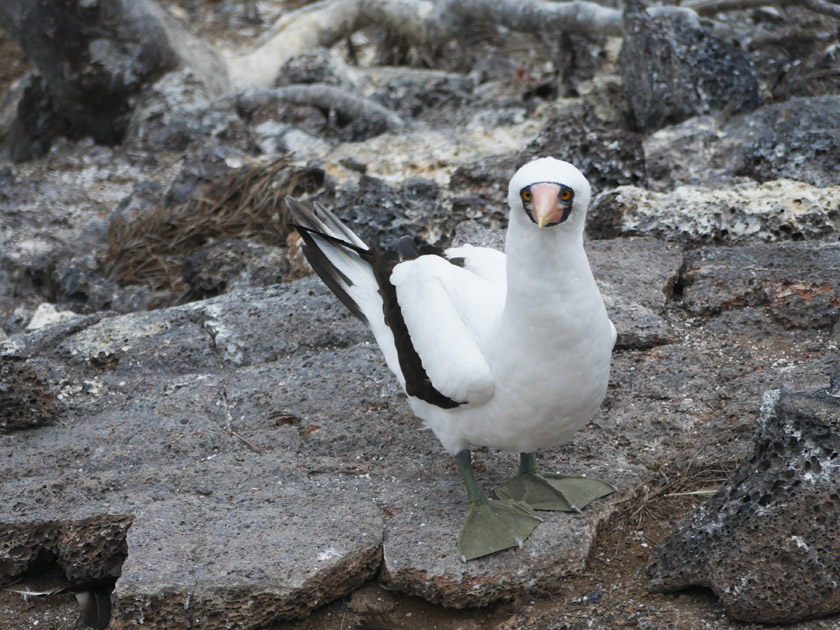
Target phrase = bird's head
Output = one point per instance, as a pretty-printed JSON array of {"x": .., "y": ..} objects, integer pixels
[{"x": 550, "y": 193}]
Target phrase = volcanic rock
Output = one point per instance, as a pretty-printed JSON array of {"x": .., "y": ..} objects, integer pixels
[
  {"x": 675, "y": 69},
  {"x": 26, "y": 398},
  {"x": 796, "y": 139},
  {"x": 768, "y": 542},
  {"x": 608, "y": 157}
]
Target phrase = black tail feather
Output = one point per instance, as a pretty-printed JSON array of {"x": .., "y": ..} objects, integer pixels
[
  {"x": 329, "y": 274},
  {"x": 311, "y": 226}
]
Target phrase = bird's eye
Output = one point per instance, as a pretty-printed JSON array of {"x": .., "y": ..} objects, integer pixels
[
  {"x": 565, "y": 195},
  {"x": 526, "y": 195}
]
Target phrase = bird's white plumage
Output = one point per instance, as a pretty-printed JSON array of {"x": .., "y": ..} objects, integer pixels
[
  {"x": 522, "y": 337},
  {"x": 445, "y": 308}
]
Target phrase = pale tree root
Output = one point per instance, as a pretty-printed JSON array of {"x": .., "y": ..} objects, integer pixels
[
  {"x": 325, "y": 97},
  {"x": 421, "y": 22}
]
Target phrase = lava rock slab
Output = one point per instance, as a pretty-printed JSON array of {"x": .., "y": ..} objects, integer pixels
[
  {"x": 419, "y": 555},
  {"x": 768, "y": 542},
  {"x": 277, "y": 560},
  {"x": 799, "y": 283},
  {"x": 637, "y": 277}
]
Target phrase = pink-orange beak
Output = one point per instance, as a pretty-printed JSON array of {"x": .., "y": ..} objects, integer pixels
[{"x": 546, "y": 206}]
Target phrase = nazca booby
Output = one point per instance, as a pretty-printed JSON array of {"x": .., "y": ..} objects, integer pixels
[{"x": 506, "y": 350}]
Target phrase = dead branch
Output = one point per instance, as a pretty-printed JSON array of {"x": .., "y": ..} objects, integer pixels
[
  {"x": 323, "y": 96},
  {"x": 421, "y": 22},
  {"x": 713, "y": 7}
]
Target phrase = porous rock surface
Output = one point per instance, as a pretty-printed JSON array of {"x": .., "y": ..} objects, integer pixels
[
  {"x": 791, "y": 140},
  {"x": 209, "y": 439},
  {"x": 26, "y": 400},
  {"x": 768, "y": 541},
  {"x": 744, "y": 212},
  {"x": 794, "y": 139},
  {"x": 676, "y": 68},
  {"x": 608, "y": 157}
]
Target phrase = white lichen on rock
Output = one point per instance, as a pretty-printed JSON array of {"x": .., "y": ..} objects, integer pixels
[{"x": 773, "y": 211}]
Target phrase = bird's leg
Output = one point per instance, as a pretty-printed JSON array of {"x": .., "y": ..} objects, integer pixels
[
  {"x": 551, "y": 491},
  {"x": 491, "y": 525}
]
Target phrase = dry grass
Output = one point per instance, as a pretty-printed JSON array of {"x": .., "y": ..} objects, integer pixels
[
  {"x": 674, "y": 482},
  {"x": 246, "y": 203}
]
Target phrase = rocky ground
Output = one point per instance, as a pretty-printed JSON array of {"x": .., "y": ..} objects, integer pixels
[{"x": 195, "y": 428}]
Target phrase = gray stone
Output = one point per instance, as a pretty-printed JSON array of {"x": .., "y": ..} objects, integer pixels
[
  {"x": 197, "y": 171},
  {"x": 768, "y": 542},
  {"x": 40, "y": 120},
  {"x": 281, "y": 557},
  {"x": 382, "y": 214},
  {"x": 674, "y": 69},
  {"x": 481, "y": 190},
  {"x": 85, "y": 548},
  {"x": 212, "y": 429},
  {"x": 797, "y": 139},
  {"x": 224, "y": 265},
  {"x": 177, "y": 113},
  {"x": 793, "y": 140},
  {"x": 636, "y": 277},
  {"x": 221, "y": 442},
  {"x": 418, "y": 553},
  {"x": 318, "y": 66},
  {"x": 688, "y": 153},
  {"x": 191, "y": 470},
  {"x": 798, "y": 283},
  {"x": 146, "y": 195}
]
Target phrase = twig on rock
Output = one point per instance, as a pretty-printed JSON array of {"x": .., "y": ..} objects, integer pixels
[{"x": 233, "y": 432}]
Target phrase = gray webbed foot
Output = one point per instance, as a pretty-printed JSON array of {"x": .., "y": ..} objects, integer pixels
[
  {"x": 552, "y": 491},
  {"x": 492, "y": 526}
]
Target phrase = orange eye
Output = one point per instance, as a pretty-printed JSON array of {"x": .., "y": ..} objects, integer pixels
[
  {"x": 526, "y": 195},
  {"x": 566, "y": 195}
]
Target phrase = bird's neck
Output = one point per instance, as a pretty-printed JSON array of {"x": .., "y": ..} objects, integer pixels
[{"x": 544, "y": 264}]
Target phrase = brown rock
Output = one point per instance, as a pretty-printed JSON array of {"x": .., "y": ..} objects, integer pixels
[
  {"x": 799, "y": 283},
  {"x": 26, "y": 398}
]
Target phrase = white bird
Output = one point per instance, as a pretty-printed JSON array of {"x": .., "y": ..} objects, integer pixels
[{"x": 506, "y": 350}]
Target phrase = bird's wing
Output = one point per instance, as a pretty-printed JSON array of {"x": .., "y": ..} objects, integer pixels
[
  {"x": 427, "y": 308},
  {"x": 448, "y": 307}
]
